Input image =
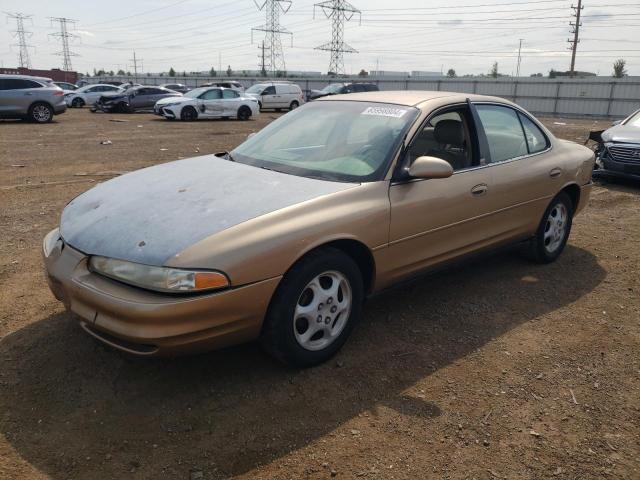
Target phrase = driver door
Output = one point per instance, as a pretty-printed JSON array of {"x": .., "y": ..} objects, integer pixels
[
  {"x": 433, "y": 220},
  {"x": 269, "y": 98}
]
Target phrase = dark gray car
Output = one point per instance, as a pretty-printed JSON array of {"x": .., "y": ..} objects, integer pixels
[
  {"x": 618, "y": 151},
  {"x": 134, "y": 98},
  {"x": 34, "y": 98}
]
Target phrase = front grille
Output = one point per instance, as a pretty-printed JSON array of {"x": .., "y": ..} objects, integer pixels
[{"x": 626, "y": 154}]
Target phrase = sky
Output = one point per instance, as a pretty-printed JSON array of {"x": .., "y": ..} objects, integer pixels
[{"x": 401, "y": 35}]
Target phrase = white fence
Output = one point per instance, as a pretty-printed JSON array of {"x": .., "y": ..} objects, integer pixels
[{"x": 596, "y": 96}]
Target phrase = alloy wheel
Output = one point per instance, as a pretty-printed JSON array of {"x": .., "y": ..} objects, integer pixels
[
  {"x": 556, "y": 227},
  {"x": 41, "y": 113}
]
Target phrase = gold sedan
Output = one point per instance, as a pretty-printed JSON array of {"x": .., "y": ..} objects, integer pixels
[{"x": 283, "y": 238}]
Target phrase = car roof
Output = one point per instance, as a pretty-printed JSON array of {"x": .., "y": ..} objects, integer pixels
[
  {"x": 411, "y": 98},
  {"x": 26, "y": 77}
]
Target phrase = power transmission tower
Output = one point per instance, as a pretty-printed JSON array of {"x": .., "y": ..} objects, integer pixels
[
  {"x": 135, "y": 61},
  {"x": 21, "y": 34},
  {"x": 576, "y": 36},
  {"x": 64, "y": 36},
  {"x": 519, "y": 59},
  {"x": 274, "y": 61},
  {"x": 263, "y": 70},
  {"x": 339, "y": 11}
]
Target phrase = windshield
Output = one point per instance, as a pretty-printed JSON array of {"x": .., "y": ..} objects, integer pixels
[
  {"x": 196, "y": 92},
  {"x": 258, "y": 88},
  {"x": 341, "y": 141},
  {"x": 333, "y": 88},
  {"x": 634, "y": 121}
]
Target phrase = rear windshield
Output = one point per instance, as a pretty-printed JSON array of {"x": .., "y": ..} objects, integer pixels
[{"x": 341, "y": 141}]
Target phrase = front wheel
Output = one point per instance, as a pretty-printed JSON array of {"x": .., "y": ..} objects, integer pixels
[
  {"x": 315, "y": 308},
  {"x": 77, "y": 103},
  {"x": 244, "y": 113},
  {"x": 553, "y": 231},
  {"x": 40, "y": 113},
  {"x": 188, "y": 114}
]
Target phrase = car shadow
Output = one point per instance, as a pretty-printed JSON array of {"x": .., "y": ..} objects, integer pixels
[{"x": 74, "y": 408}]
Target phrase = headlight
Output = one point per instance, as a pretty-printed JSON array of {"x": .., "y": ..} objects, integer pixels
[
  {"x": 163, "y": 279},
  {"x": 169, "y": 105},
  {"x": 50, "y": 241}
]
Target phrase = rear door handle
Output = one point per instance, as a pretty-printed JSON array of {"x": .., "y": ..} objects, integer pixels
[
  {"x": 555, "y": 172},
  {"x": 479, "y": 190}
]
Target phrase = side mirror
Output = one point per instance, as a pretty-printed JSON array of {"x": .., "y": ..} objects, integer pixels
[
  {"x": 616, "y": 122},
  {"x": 430, "y": 167}
]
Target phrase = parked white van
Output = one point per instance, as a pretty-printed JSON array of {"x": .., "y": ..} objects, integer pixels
[{"x": 276, "y": 95}]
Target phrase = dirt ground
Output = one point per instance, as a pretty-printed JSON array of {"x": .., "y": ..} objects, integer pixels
[{"x": 495, "y": 369}]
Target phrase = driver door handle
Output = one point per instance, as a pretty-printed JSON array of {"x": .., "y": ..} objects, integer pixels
[
  {"x": 555, "y": 172},
  {"x": 479, "y": 190}
]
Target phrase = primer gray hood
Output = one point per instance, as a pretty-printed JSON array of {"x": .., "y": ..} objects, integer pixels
[
  {"x": 622, "y": 134},
  {"x": 150, "y": 215}
]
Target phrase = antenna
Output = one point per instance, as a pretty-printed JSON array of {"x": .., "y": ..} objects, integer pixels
[
  {"x": 339, "y": 11},
  {"x": 576, "y": 36},
  {"x": 274, "y": 61},
  {"x": 21, "y": 34},
  {"x": 64, "y": 36}
]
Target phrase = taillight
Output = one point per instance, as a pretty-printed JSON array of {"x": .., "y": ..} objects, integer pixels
[{"x": 58, "y": 93}]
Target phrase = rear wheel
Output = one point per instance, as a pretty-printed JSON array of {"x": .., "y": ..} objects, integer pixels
[
  {"x": 188, "y": 114},
  {"x": 295, "y": 104},
  {"x": 77, "y": 103},
  {"x": 315, "y": 308},
  {"x": 553, "y": 231},
  {"x": 244, "y": 113},
  {"x": 40, "y": 113}
]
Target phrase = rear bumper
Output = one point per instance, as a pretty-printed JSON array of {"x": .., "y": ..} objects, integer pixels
[
  {"x": 152, "y": 324},
  {"x": 60, "y": 108}
]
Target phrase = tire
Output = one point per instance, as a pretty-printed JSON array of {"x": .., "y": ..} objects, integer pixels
[
  {"x": 77, "y": 103},
  {"x": 295, "y": 104},
  {"x": 260, "y": 106},
  {"x": 122, "y": 108},
  {"x": 188, "y": 114},
  {"x": 41, "y": 112},
  {"x": 244, "y": 113},
  {"x": 299, "y": 340},
  {"x": 553, "y": 231}
]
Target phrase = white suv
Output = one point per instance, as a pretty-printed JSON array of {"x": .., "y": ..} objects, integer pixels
[
  {"x": 276, "y": 95},
  {"x": 89, "y": 94}
]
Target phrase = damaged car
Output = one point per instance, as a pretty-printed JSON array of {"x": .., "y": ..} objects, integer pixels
[
  {"x": 281, "y": 239},
  {"x": 618, "y": 149},
  {"x": 133, "y": 99},
  {"x": 208, "y": 102}
]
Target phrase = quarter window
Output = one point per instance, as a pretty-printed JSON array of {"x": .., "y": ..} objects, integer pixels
[
  {"x": 504, "y": 132},
  {"x": 229, "y": 94},
  {"x": 214, "y": 94},
  {"x": 536, "y": 140}
]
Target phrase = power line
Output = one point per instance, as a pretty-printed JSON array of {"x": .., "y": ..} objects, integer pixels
[
  {"x": 339, "y": 11},
  {"x": 274, "y": 62},
  {"x": 64, "y": 36},
  {"x": 21, "y": 34},
  {"x": 576, "y": 36}
]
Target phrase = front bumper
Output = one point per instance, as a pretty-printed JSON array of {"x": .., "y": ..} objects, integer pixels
[
  {"x": 609, "y": 166},
  {"x": 166, "y": 112},
  {"x": 154, "y": 324}
]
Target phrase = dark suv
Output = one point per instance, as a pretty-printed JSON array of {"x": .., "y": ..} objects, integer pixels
[
  {"x": 341, "y": 88},
  {"x": 32, "y": 98}
]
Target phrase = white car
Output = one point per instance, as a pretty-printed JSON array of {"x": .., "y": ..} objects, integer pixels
[
  {"x": 232, "y": 84},
  {"x": 276, "y": 95},
  {"x": 89, "y": 94},
  {"x": 208, "y": 102}
]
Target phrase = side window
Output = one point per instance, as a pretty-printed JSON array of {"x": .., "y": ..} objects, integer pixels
[
  {"x": 229, "y": 94},
  {"x": 357, "y": 87},
  {"x": 536, "y": 140},
  {"x": 269, "y": 90},
  {"x": 142, "y": 91},
  {"x": 211, "y": 95},
  {"x": 18, "y": 84},
  {"x": 504, "y": 132},
  {"x": 446, "y": 136}
]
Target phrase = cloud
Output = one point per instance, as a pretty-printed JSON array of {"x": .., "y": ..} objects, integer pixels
[{"x": 85, "y": 33}]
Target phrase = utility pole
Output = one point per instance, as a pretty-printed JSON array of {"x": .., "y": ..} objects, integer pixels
[
  {"x": 135, "y": 61},
  {"x": 23, "y": 49},
  {"x": 576, "y": 36},
  {"x": 339, "y": 11},
  {"x": 263, "y": 70},
  {"x": 64, "y": 36},
  {"x": 519, "y": 59},
  {"x": 274, "y": 62}
]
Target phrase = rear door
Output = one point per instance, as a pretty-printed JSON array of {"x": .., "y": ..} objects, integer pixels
[
  {"x": 211, "y": 103},
  {"x": 230, "y": 102},
  {"x": 525, "y": 172}
]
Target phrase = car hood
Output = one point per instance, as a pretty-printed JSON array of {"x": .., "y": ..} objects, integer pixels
[
  {"x": 150, "y": 215},
  {"x": 176, "y": 99},
  {"x": 622, "y": 134}
]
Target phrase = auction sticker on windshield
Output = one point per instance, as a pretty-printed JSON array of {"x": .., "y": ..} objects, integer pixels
[{"x": 385, "y": 111}]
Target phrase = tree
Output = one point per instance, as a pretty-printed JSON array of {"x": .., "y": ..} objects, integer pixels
[
  {"x": 229, "y": 71},
  {"x": 128, "y": 73},
  {"x": 619, "y": 70},
  {"x": 172, "y": 72},
  {"x": 184, "y": 73},
  {"x": 536, "y": 75},
  {"x": 451, "y": 73},
  {"x": 121, "y": 72},
  {"x": 553, "y": 73},
  {"x": 494, "y": 71},
  {"x": 363, "y": 73},
  {"x": 212, "y": 72}
]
